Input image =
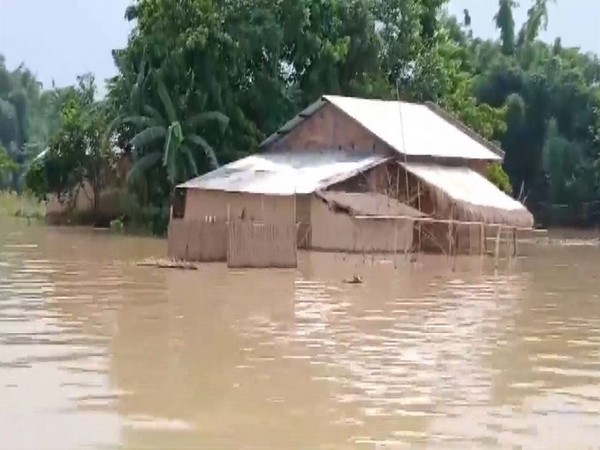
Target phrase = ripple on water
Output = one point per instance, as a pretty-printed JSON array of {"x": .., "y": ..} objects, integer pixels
[{"x": 112, "y": 356}]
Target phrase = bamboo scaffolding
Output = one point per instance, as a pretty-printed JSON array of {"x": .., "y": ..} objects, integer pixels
[{"x": 442, "y": 221}]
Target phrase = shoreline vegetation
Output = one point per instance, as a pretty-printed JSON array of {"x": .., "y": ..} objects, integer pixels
[
  {"x": 21, "y": 206},
  {"x": 202, "y": 82}
]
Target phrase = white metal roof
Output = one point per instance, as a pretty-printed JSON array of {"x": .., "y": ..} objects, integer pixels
[
  {"x": 413, "y": 129},
  {"x": 464, "y": 185},
  {"x": 297, "y": 172},
  {"x": 409, "y": 128}
]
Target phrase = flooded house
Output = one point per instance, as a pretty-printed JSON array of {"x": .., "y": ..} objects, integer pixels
[{"x": 352, "y": 175}]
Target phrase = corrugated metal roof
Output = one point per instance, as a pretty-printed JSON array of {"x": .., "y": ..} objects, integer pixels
[
  {"x": 464, "y": 185},
  {"x": 286, "y": 173},
  {"x": 413, "y": 129},
  {"x": 409, "y": 128}
]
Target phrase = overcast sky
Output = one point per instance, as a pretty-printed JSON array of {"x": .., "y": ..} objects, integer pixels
[{"x": 60, "y": 39}]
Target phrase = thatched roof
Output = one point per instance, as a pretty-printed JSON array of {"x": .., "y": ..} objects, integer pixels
[
  {"x": 463, "y": 194},
  {"x": 367, "y": 204}
]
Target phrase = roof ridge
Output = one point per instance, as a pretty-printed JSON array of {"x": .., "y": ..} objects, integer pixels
[{"x": 453, "y": 120}]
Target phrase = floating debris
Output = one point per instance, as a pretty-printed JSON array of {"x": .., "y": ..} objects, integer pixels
[
  {"x": 357, "y": 279},
  {"x": 167, "y": 264}
]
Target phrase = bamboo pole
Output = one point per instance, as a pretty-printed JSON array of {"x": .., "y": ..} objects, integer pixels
[
  {"x": 450, "y": 243},
  {"x": 395, "y": 244},
  {"x": 497, "y": 250},
  {"x": 434, "y": 220},
  {"x": 420, "y": 210},
  {"x": 483, "y": 243}
]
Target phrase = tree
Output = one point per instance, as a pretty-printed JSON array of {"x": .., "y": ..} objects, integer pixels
[
  {"x": 505, "y": 22},
  {"x": 179, "y": 139},
  {"x": 28, "y": 117},
  {"x": 7, "y": 165},
  {"x": 80, "y": 155},
  {"x": 190, "y": 64}
]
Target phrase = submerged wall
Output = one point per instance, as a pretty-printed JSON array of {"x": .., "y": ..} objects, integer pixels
[
  {"x": 201, "y": 234},
  {"x": 253, "y": 207},
  {"x": 340, "y": 232}
]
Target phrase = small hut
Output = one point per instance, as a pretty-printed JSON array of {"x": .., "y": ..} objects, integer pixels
[{"x": 359, "y": 175}]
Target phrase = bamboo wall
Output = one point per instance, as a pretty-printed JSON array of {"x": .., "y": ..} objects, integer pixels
[
  {"x": 329, "y": 129},
  {"x": 202, "y": 240},
  {"x": 253, "y": 207},
  {"x": 341, "y": 232},
  {"x": 261, "y": 245}
]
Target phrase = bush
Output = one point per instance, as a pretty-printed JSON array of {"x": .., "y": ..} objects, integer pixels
[
  {"x": 12, "y": 204},
  {"x": 150, "y": 219},
  {"x": 499, "y": 177}
]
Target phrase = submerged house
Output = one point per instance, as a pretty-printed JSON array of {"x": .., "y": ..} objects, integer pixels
[{"x": 355, "y": 175}]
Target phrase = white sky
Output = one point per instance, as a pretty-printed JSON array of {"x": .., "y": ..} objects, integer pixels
[{"x": 60, "y": 39}]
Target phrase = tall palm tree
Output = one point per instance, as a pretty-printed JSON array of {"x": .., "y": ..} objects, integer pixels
[{"x": 177, "y": 134}]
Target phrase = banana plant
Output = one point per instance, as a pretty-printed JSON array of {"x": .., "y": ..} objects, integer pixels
[{"x": 173, "y": 136}]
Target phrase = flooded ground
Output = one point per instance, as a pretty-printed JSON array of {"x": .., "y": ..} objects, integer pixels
[{"x": 97, "y": 353}]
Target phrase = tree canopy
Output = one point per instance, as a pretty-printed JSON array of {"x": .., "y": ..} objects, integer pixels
[
  {"x": 29, "y": 116},
  {"x": 202, "y": 82}
]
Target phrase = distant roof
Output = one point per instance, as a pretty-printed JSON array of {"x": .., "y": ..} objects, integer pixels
[
  {"x": 473, "y": 192},
  {"x": 368, "y": 204},
  {"x": 286, "y": 173},
  {"x": 409, "y": 128}
]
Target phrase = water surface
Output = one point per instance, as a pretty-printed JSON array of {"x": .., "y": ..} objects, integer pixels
[{"x": 97, "y": 353}]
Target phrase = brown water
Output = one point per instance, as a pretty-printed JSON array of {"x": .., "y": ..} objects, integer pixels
[{"x": 97, "y": 353}]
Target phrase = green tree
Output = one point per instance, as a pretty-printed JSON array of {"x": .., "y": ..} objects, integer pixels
[
  {"x": 80, "y": 154},
  {"x": 28, "y": 118},
  {"x": 7, "y": 164},
  {"x": 505, "y": 22},
  {"x": 178, "y": 138}
]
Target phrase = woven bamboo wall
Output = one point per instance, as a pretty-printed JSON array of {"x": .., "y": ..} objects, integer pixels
[
  {"x": 253, "y": 245},
  {"x": 198, "y": 240}
]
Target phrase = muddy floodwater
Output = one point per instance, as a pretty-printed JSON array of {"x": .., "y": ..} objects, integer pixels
[{"x": 97, "y": 353}]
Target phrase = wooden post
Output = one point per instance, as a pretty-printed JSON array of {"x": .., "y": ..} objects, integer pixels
[
  {"x": 295, "y": 217},
  {"x": 470, "y": 240},
  {"x": 395, "y": 244},
  {"x": 397, "y": 182},
  {"x": 419, "y": 222},
  {"x": 451, "y": 243},
  {"x": 497, "y": 251},
  {"x": 454, "y": 246},
  {"x": 483, "y": 243},
  {"x": 515, "y": 250}
]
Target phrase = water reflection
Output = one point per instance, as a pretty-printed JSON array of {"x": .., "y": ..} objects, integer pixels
[{"x": 98, "y": 353}]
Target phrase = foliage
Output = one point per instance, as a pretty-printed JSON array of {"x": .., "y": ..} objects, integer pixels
[
  {"x": 24, "y": 205},
  {"x": 191, "y": 66},
  {"x": 7, "y": 164},
  {"x": 179, "y": 139},
  {"x": 497, "y": 175},
  {"x": 28, "y": 118},
  {"x": 117, "y": 225},
  {"x": 36, "y": 179},
  {"x": 79, "y": 154}
]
